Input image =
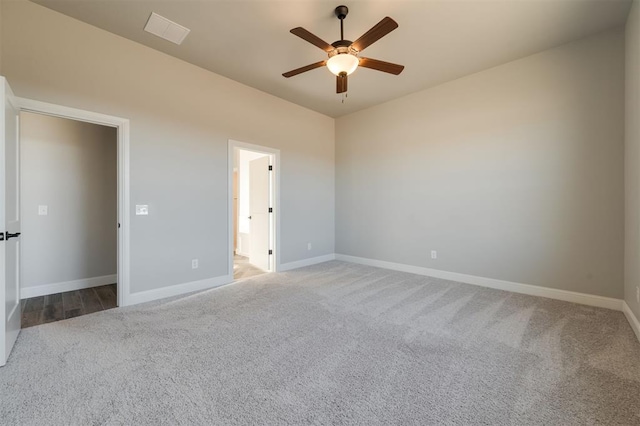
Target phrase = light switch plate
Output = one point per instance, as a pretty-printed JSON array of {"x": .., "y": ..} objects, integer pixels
[
  {"x": 142, "y": 209},
  {"x": 43, "y": 210}
]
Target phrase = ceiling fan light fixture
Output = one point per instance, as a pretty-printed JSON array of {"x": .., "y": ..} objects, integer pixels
[
  {"x": 343, "y": 63},
  {"x": 343, "y": 54}
]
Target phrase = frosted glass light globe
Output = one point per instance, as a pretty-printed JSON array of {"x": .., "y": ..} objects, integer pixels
[{"x": 342, "y": 62}]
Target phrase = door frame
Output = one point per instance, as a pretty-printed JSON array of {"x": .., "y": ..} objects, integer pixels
[
  {"x": 275, "y": 198},
  {"x": 122, "y": 127}
]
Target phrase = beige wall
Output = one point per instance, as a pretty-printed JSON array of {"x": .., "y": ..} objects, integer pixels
[
  {"x": 181, "y": 120},
  {"x": 632, "y": 160},
  {"x": 71, "y": 167},
  {"x": 513, "y": 173},
  {"x": 1, "y": 36}
]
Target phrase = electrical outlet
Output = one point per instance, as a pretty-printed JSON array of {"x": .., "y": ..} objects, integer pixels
[
  {"x": 637, "y": 294},
  {"x": 308, "y": 246},
  {"x": 434, "y": 254},
  {"x": 194, "y": 264},
  {"x": 142, "y": 209}
]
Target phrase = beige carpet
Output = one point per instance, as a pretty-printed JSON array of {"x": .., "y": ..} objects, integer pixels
[
  {"x": 243, "y": 269},
  {"x": 335, "y": 343}
]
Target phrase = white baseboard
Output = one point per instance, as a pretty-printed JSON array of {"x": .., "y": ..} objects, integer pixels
[
  {"x": 43, "y": 290},
  {"x": 178, "y": 289},
  {"x": 532, "y": 290},
  {"x": 633, "y": 320},
  {"x": 306, "y": 262}
]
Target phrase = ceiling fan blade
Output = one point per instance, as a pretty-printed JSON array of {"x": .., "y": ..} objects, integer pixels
[
  {"x": 383, "y": 66},
  {"x": 304, "y": 69},
  {"x": 341, "y": 83},
  {"x": 378, "y": 31},
  {"x": 311, "y": 38}
]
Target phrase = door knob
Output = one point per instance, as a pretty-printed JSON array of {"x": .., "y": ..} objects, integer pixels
[
  {"x": 10, "y": 235},
  {"x": 249, "y": 217}
]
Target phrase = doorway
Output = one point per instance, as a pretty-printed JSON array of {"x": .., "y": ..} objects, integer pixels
[
  {"x": 68, "y": 198},
  {"x": 253, "y": 210},
  {"x": 10, "y": 251}
]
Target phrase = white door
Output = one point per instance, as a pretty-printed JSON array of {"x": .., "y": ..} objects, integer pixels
[
  {"x": 10, "y": 222},
  {"x": 259, "y": 243}
]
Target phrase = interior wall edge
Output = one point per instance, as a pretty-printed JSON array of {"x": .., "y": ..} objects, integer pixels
[
  {"x": 632, "y": 161},
  {"x": 633, "y": 320}
]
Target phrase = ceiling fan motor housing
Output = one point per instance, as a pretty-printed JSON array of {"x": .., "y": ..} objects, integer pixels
[{"x": 342, "y": 46}]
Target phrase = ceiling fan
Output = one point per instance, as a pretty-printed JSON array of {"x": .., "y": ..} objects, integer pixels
[{"x": 343, "y": 54}]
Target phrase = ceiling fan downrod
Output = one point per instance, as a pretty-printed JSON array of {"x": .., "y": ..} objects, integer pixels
[{"x": 341, "y": 12}]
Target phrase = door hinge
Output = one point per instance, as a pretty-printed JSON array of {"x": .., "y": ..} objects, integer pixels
[
  {"x": 270, "y": 209},
  {"x": 270, "y": 251},
  {"x": 118, "y": 225},
  {"x": 270, "y": 167}
]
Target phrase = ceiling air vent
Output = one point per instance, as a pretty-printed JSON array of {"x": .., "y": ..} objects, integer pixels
[{"x": 166, "y": 29}]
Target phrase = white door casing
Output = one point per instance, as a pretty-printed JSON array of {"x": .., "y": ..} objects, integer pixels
[
  {"x": 259, "y": 211},
  {"x": 10, "y": 221},
  {"x": 122, "y": 126},
  {"x": 274, "y": 155}
]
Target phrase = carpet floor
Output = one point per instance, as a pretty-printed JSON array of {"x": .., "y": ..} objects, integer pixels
[
  {"x": 335, "y": 343},
  {"x": 243, "y": 269}
]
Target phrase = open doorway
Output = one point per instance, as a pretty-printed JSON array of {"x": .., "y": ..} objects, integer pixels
[
  {"x": 11, "y": 265},
  {"x": 69, "y": 205},
  {"x": 253, "y": 212}
]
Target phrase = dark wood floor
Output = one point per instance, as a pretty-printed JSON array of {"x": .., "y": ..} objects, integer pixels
[{"x": 56, "y": 307}]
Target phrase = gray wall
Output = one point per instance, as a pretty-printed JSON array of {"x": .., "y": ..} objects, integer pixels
[
  {"x": 71, "y": 167},
  {"x": 181, "y": 119},
  {"x": 632, "y": 160},
  {"x": 513, "y": 173}
]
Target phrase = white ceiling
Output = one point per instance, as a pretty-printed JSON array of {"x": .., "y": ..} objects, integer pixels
[{"x": 440, "y": 40}]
